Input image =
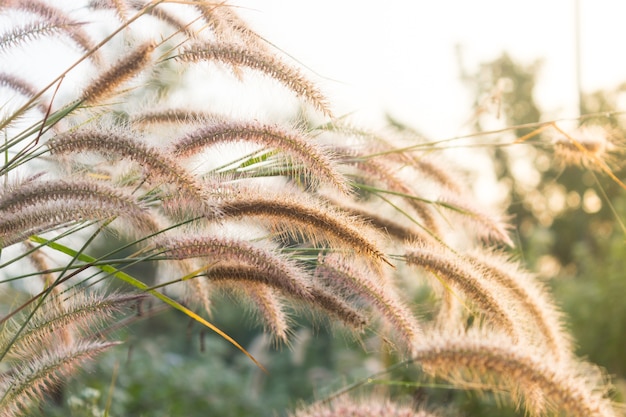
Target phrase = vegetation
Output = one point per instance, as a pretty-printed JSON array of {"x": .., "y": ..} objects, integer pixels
[{"x": 140, "y": 194}]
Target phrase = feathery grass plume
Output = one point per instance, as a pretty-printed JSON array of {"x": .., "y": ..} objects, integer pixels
[
  {"x": 126, "y": 68},
  {"x": 31, "y": 380},
  {"x": 268, "y": 304},
  {"x": 316, "y": 296},
  {"x": 237, "y": 55},
  {"x": 590, "y": 146},
  {"x": 376, "y": 168},
  {"x": 316, "y": 162},
  {"x": 80, "y": 315},
  {"x": 488, "y": 227},
  {"x": 168, "y": 18},
  {"x": 401, "y": 232},
  {"x": 531, "y": 380},
  {"x": 224, "y": 23},
  {"x": 325, "y": 298},
  {"x": 249, "y": 274},
  {"x": 34, "y": 200},
  {"x": 398, "y": 153},
  {"x": 32, "y": 193},
  {"x": 23, "y": 87},
  {"x": 453, "y": 269},
  {"x": 158, "y": 166},
  {"x": 41, "y": 356},
  {"x": 534, "y": 299},
  {"x": 437, "y": 171},
  {"x": 17, "y": 84},
  {"x": 51, "y": 215},
  {"x": 57, "y": 17},
  {"x": 308, "y": 219},
  {"x": 265, "y": 266},
  {"x": 271, "y": 308},
  {"x": 228, "y": 26},
  {"x": 31, "y": 31},
  {"x": 366, "y": 407},
  {"x": 336, "y": 272}
]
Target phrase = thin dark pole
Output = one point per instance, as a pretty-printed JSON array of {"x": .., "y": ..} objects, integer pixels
[{"x": 578, "y": 57}]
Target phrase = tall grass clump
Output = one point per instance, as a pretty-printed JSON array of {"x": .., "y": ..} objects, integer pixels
[{"x": 131, "y": 147}]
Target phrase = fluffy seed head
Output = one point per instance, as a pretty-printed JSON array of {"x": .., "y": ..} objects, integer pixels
[
  {"x": 126, "y": 68},
  {"x": 370, "y": 407},
  {"x": 336, "y": 272},
  {"x": 159, "y": 167},
  {"x": 589, "y": 146},
  {"x": 231, "y": 256},
  {"x": 489, "y": 358},
  {"x": 460, "y": 274},
  {"x": 316, "y": 162},
  {"x": 237, "y": 55},
  {"x": 310, "y": 220}
]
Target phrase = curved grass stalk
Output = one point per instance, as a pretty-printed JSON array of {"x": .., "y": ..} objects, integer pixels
[
  {"x": 50, "y": 290},
  {"x": 40, "y": 193},
  {"x": 616, "y": 215},
  {"x": 384, "y": 223},
  {"x": 17, "y": 227},
  {"x": 488, "y": 227},
  {"x": 22, "y": 87},
  {"x": 595, "y": 160},
  {"x": 491, "y": 227},
  {"x": 227, "y": 25},
  {"x": 34, "y": 207}
]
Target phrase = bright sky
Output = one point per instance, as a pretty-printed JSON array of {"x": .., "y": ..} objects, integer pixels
[{"x": 399, "y": 56}]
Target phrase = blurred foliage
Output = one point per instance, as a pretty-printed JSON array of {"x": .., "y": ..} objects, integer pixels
[{"x": 166, "y": 368}]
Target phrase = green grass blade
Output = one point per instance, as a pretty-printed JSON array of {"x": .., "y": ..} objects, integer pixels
[{"x": 141, "y": 286}]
